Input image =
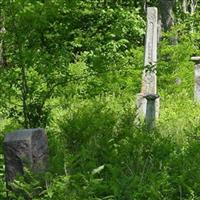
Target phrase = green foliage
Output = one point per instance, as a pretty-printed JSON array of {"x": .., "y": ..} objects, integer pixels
[
  {"x": 75, "y": 67},
  {"x": 44, "y": 41},
  {"x": 2, "y": 178}
]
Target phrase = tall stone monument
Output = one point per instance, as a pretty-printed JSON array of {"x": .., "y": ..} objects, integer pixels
[
  {"x": 196, "y": 59},
  {"x": 149, "y": 78},
  {"x": 25, "y": 148}
]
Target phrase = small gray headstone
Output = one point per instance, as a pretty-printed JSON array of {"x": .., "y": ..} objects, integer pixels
[{"x": 25, "y": 148}]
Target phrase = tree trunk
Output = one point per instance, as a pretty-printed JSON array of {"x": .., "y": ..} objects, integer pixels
[
  {"x": 167, "y": 17},
  {"x": 167, "y": 14},
  {"x": 193, "y": 6},
  {"x": 189, "y": 6}
]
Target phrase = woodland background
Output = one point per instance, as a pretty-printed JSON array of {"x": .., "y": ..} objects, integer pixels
[{"x": 74, "y": 67}]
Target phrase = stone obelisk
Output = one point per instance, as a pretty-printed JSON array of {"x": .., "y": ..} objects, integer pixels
[{"x": 149, "y": 78}]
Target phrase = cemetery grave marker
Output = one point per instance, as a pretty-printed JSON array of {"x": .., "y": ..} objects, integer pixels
[
  {"x": 149, "y": 78},
  {"x": 196, "y": 59},
  {"x": 25, "y": 148}
]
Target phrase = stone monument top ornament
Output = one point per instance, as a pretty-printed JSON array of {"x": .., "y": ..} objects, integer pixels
[
  {"x": 195, "y": 59},
  {"x": 151, "y": 96}
]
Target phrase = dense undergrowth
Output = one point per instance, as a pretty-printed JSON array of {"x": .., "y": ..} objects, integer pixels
[{"x": 97, "y": 152}]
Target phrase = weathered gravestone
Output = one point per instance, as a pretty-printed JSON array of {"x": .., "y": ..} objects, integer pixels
[
  {"x": 150, "y": 117},
  {"x": 149, "y": 78},
  {"x": 25, "y": 148},
  {"x": 196, "y": 59}
]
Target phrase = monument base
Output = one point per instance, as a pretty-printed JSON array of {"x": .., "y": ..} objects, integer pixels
[{"x": 141, "y": 105}]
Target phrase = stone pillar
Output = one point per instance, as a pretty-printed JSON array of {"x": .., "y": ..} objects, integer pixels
[
  {"x": 150, "y": 57},
  {"x": 150, "y": 117},
  {"x": 25, "y": 148},
  {"x": 196, "y": 59},
  {"x": 149, "y": 78}
]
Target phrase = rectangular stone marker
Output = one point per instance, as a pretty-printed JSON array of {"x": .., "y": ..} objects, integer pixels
[
  {"x": 196, "y": 59},
  {"x": 25, "y": 148},
  {"x": 149, "y": 78},
  {"x": 197, "y": 83}
]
